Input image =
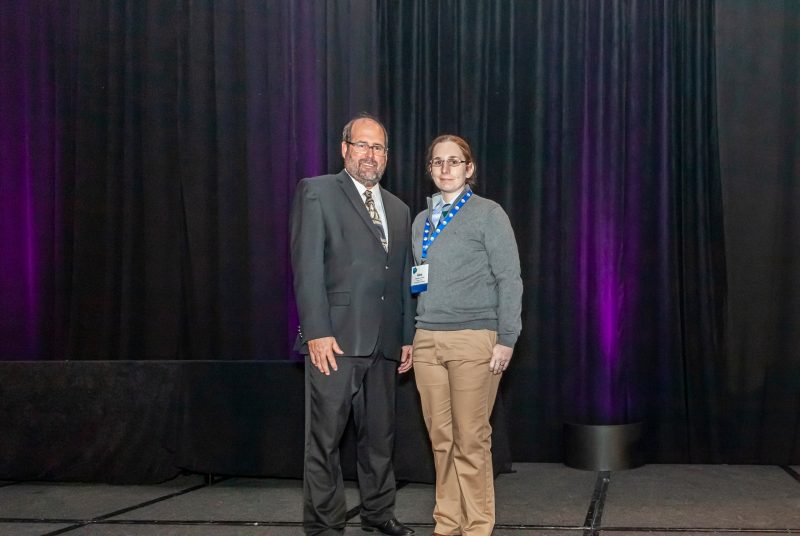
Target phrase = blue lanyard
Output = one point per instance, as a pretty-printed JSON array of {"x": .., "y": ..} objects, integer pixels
[{"x": 428, "y": 237}]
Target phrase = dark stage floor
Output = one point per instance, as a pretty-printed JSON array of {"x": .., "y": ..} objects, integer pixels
[{"x": 548, "y": 499}]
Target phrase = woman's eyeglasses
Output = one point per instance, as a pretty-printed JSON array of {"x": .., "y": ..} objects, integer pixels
[{"x": 451, "y": 162}]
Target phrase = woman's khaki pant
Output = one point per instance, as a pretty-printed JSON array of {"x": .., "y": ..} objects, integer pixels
[{"x": 458, "y": 393}]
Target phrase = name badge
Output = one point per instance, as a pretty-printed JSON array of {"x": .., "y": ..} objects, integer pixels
[{"x": 419, "y": 278}]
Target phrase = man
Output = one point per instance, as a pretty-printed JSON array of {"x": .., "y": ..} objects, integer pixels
[{"x": 351, "y": 259}]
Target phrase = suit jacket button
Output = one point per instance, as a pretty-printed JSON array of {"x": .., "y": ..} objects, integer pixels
[
  {"x": 381, "y": 297},
  {"x": 386, "y": 267}
]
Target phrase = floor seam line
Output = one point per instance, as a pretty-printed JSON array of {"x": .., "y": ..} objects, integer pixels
[
  {"x": 713, "y": 530},
  {"x": 794, "y": 474},
  {"x": 104, "y": 517},
  {"x": 595, "y": 511}
]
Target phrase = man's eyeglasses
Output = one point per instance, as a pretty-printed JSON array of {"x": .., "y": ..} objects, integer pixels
[
  {"x": 452, "y": 162},
  {"x": 362, "y": 147}
]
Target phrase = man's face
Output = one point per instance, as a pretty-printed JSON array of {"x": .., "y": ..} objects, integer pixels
[{"x": 366, "y": 167}]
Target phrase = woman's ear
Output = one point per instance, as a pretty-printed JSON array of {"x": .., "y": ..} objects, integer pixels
[{"x": 470, "y": 170}]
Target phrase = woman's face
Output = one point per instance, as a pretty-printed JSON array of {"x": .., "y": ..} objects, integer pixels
[{"x": 449, "y": 179}]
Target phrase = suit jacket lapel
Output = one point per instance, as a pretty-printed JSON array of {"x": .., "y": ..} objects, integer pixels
[
  {"x": 393, "y": 218},
  {"x": 346, "y": 183}
]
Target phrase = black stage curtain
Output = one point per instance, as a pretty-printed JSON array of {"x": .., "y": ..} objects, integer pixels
[
  {"x": 176, "y": 131},
  {"x": 594, "y": 128},
  {"x": 758, "y": 78}
]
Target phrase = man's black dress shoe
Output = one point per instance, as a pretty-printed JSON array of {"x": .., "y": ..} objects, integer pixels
[{"x": 392, "y": 527}]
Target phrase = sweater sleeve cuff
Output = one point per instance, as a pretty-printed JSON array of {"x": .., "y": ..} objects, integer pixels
[{"x": 507, "y": 339}]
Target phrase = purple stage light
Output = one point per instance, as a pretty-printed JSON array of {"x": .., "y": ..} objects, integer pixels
[{"x": 26, "y": 101}]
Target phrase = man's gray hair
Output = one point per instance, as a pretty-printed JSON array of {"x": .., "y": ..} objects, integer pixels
[{"x": 348, "y": 128}]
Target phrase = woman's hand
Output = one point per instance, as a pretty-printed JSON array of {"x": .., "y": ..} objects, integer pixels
[{"x": 501, "y": 357}]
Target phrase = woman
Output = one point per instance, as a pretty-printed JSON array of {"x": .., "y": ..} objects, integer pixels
[{"x": 468, "y": 320}]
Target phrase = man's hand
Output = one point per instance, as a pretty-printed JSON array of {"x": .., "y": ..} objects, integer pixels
[
  {"x": 321, "y": 353},
  {"x": 406, "y": 360},
  {"x": 501, "y": 356}
]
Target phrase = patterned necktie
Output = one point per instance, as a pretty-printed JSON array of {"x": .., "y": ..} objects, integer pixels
[
  {"x": 375, "y": 217},
  {"x": 439, "y": 211}
]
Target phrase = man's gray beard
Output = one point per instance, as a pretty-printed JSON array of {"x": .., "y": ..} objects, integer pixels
[
  {"x": 358, "y": 175},
  {"x": 369, "y": 183}
]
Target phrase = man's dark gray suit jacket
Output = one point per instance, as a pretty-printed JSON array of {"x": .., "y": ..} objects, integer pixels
[{"x": 346, "y": 285}]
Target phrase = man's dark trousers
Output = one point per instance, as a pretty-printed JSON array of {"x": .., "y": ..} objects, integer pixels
[{"x": 328, "y": 403}]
